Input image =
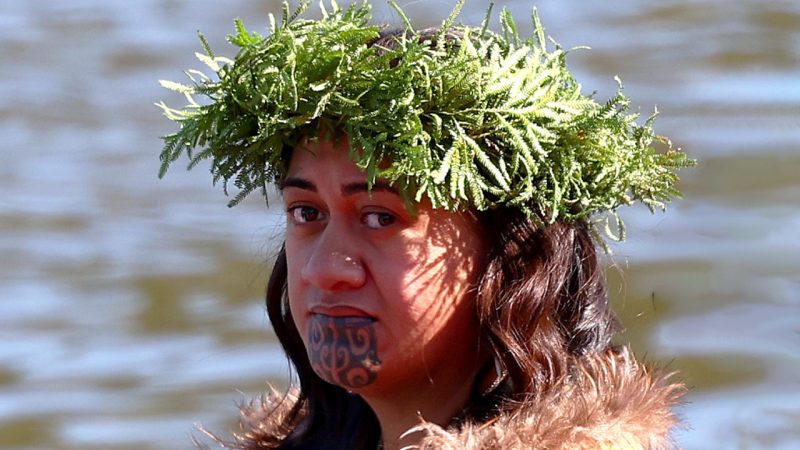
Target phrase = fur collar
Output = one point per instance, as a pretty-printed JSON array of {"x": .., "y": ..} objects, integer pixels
[{"x": 612, "y": 402}]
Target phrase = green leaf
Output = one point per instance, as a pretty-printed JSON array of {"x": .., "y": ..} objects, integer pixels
[{"x": 480, "y": 121}]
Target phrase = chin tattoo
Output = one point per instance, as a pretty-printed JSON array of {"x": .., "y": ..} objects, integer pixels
[{"x": 343, "y": 350}]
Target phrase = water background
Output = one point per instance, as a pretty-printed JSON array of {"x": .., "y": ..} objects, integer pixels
[{"x": 131, "y": 308}]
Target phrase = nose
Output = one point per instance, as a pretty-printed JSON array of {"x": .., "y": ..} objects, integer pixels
[{"x": 334, "y": 262}]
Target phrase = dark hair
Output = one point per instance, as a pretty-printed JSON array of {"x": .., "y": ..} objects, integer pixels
[
  {"x": 542, "y": 300},
  {"x": 542, "y": 306}
]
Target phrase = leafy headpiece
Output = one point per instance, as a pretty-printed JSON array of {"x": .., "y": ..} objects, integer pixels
[{"x": 467, "y": 117}]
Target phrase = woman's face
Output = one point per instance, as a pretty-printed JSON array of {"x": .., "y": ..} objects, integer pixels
[{"x": 381, "y": 297}]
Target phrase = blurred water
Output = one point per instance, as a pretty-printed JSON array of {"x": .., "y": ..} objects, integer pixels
[{"x": 130, "y": 308}]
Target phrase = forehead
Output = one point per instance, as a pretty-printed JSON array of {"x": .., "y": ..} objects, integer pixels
[
  {"x": 325, "y": 168},
  {"x": 311, "y": 159}
]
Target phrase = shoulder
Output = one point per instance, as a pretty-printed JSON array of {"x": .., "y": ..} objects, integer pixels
[
  {"x": 264, "y": 423},
  {"x": 283, "y": 421},
  {"x": 611, "y": 401}
]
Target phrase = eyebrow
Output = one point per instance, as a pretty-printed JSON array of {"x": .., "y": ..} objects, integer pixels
[
  {"x": 347, "y": 189},
  {"x": 299, "y": 183}
]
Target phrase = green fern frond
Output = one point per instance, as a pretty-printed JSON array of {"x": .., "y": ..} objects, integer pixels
[{"x": 484, "y": 121}]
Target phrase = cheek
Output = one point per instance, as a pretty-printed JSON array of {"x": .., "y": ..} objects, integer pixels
[
  {"x": 437, "y": 299},
  {"x": 440, "y": 287},
  {"x": 443, "y": 277},
  {"x": 294, "y": 268},
  {"x": 297, "y": 305}
]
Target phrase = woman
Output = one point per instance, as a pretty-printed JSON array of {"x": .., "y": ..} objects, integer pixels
[{"x": 439, "y": 285}]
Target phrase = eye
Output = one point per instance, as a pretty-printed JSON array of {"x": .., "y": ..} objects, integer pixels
[
  {"x": 305, "y": 214},
  {"x": 378, "y": 220}
]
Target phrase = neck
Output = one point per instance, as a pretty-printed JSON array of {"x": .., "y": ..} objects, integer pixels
[{"x": 435, "y": 402}]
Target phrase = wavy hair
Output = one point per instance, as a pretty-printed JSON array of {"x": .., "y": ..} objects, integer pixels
[{"x": 541, "y": 304}]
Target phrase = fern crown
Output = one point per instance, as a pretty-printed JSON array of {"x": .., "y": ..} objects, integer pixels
[{"x": 478, "y": 121}]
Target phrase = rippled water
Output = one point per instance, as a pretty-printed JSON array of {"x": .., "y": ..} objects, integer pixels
[{"x": 130, "y": 308}]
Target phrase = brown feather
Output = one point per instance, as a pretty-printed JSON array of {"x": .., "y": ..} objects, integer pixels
[{"x": 609, "y": 402}]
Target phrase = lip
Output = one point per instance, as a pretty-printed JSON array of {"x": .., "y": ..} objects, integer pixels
[{"x": 339, "y": 311}]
